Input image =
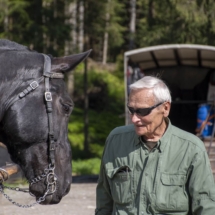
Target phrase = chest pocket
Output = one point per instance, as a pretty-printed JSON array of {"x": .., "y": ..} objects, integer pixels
[
  {"x": 171, "y": 193},
  {"x": 120, "y": 181}
]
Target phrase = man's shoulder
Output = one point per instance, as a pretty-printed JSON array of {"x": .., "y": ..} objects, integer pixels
[
  {"x": 120, "y": 143},
  {"x": 122, "y": 135},
  {"x": 187, "y": 136},
  {"x": 122, "y": 130}
]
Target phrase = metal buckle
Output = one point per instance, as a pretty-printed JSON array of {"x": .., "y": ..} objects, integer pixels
[
  {"x": 57, "y": 75},
  {"x": 34, "y": 85},
  {"x": 48, "y": 96}
]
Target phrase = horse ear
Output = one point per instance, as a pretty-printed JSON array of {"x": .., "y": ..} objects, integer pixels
[{"x": 68, "y": 63}]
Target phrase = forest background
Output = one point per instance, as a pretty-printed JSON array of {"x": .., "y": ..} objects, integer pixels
[{"x": 109, "y": 28}]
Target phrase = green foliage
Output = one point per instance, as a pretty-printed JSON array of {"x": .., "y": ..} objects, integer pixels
[
  {"x": 14, "y": 18},
  {"x": 116, "y": 29},
  {"x": 76, "y": 128},
  {"x": 120, "y": 66},
  {"x": 100, "y": 83},
  {"x": 53, "y": 26},
  {"x": 106, "y": 108},
  {"x": 39, "y": 24},
  {"x": 86, "y": 167},
  {"x": 168, "y": 22},
  {"x": 101, "y": 17}
]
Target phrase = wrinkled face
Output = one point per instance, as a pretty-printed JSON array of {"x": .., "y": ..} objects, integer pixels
[
  {"x": 25, "y": 129},
  {"x": 152, "y": 123}
]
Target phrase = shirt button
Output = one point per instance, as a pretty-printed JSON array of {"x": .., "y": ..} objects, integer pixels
[
  {"x": 146, "y": 174},
  {"x": 142, "y": 213}
]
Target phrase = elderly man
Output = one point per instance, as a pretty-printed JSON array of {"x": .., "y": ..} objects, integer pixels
[{"x": 151, "y": 166}]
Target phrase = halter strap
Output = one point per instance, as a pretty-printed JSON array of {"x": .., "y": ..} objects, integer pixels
[
  {"x": 47, "y": 69},
  {"x": 35, "y": 84},
  {"x": 48, "y": 98}
]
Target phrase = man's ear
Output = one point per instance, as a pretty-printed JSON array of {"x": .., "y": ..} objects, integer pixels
[{"x": 166, "y": 109}]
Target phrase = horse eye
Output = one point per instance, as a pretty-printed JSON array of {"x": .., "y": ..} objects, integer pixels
[{"x": 66, "y": 107}]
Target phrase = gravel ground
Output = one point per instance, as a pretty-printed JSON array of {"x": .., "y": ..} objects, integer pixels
[{"x": 79, "y": 201}]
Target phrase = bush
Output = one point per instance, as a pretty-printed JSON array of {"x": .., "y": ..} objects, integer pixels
[
  {"x": 106, "y": 108},
  {"x": 86, "y": 167}
]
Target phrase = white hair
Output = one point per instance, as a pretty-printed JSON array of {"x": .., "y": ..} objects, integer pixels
[{"x": 160, "y": 90}]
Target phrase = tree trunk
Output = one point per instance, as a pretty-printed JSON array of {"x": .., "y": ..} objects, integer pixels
[
  {"x": 106, "y": 35},
  {"x": 81, "y": 26},
  {"x": 6, "y": 22},
  {"x": 132, "y": 23},
  {"x": 84, "y": 45},
  {"x": 71, "y": 46}
]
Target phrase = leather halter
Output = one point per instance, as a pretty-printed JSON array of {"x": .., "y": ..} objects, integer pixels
[
  {"x": 48, "y": 98},
  {"x": 47, "y": 75}
]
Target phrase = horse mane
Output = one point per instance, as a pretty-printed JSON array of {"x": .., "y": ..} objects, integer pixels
[{"x": 10, "y": 45}]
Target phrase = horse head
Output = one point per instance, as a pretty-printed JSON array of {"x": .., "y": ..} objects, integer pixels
[{"x": 34, "y": 114}]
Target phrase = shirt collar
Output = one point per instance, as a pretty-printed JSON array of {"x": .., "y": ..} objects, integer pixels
[
  {"x": 145, "y": 144},
  {"x": 163, "y": 140}
]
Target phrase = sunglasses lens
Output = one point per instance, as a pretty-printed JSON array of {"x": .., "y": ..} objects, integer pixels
[
  {"x": 131, "y": 110},
  {"x": 140, "y": 111},
  {"x": 143, "y": 112}
]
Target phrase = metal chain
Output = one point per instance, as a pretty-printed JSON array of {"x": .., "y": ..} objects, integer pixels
[
  {"x": 41, "y": 199},
  {"x": 51, "y": 181},
  {"x": 12, "y": 201},
  {"x": 16, "y": 189},
  {"x": 39, "y": 178}
]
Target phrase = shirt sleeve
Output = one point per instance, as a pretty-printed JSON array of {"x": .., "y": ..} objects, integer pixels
[
  {"x": 201, "y": 185},
  {"x": 104, "y": 202}
]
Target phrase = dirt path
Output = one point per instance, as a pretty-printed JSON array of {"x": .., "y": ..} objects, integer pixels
[{"x": 79, "y": 201}]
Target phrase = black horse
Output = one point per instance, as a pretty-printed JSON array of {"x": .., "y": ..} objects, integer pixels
[{"x": 34, "y": 114}]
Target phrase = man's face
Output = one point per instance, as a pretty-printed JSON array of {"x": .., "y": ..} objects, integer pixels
[{"x": 152, "y": 123}]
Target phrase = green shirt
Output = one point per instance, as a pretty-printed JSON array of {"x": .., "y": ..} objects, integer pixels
[{"x": 175, "y": 177}]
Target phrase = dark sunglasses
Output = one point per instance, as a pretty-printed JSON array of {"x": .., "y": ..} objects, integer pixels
[{"x": 142, "y": 111}]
